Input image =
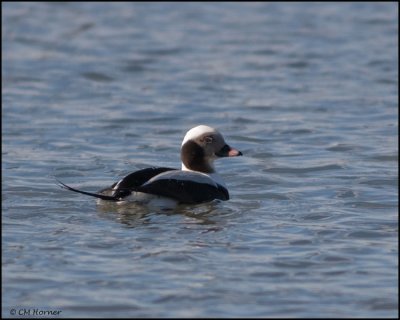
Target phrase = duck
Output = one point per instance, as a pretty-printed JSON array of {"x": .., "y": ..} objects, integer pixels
[{"x": 196, "y": 182}]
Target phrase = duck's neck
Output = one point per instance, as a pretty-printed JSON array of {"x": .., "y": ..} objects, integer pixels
[{"x": 203, "y": 167}]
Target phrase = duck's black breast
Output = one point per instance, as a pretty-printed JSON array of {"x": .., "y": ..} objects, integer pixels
[{"x": 185, "y": 187}]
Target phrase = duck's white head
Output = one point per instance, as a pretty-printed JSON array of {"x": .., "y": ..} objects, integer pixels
[{"x": 201, "y": 146}]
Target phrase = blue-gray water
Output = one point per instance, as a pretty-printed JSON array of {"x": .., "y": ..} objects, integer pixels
[{"x": 307, "y": 91}]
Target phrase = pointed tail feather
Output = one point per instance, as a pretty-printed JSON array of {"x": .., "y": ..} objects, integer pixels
[{"x": 96, "y": 195}]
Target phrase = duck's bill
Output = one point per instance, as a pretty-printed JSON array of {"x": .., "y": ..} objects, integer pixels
[
  {"x": 228, "y": 151},
  {"x": 234, "y": 153}
]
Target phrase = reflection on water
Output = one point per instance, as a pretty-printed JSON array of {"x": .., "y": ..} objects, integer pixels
[{"x": 133, "y": 214}]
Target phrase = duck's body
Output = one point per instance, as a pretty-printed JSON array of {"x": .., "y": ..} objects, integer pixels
[{"x": 196, "y": 182}]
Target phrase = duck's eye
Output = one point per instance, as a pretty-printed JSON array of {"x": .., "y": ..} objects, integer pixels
[{"x": 208, "y": 139}]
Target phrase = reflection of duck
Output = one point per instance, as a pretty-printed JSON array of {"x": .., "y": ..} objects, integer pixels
[
  {"x": 198, "y": 216},
  {"x": 196, "y": 182}
]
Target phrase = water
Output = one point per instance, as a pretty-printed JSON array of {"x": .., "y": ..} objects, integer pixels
[{"x": 307, "y": 91}]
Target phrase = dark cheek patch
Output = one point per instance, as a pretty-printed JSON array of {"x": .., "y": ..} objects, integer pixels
[
  {"x": 191, "y": 152},
  {"x": 192, "y": 156}
]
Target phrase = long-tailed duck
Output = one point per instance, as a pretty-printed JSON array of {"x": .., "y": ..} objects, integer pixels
[{"x": 196, "y": 182}]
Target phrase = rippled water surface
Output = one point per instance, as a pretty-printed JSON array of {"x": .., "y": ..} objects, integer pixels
[{"x": 307, "y": 91}]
